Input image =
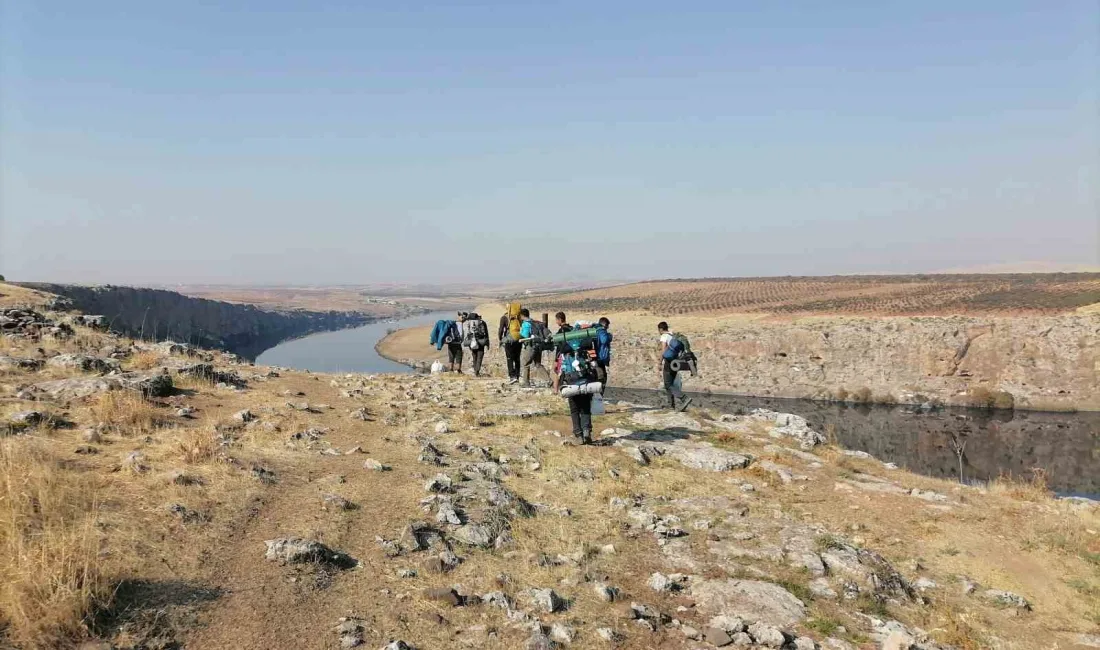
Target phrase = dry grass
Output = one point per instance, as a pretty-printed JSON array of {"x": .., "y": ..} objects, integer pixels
[
  {"x": 1033, "y": 489},
  {"x": 146, "y": 360},
  {"x": 197, "y": 446},
  {"x": 50, "y": 573},
  {"x": 127, "y": 413}
]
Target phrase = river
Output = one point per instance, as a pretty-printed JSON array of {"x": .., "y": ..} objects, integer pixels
[
  {"x": 350, "y": 350},
  {"x": 971, "y": 445}
]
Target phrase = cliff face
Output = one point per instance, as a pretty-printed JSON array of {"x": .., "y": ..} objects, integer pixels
[
  {"x": 1043, "y": 362},
  {"x": 155, "y": 314}
]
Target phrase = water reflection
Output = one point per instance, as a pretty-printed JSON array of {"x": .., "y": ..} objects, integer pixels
[{"x": 956, "y": 443}]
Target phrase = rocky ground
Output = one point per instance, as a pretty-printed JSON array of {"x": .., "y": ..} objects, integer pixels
[{"x": 158, "y": 496}]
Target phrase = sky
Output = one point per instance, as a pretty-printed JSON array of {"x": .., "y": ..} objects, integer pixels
[{"x": 282, "y": 142}]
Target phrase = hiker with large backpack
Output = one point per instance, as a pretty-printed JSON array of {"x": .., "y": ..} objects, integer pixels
[
  {"x": 674, "y": 347},
  {"x": 533, "y": 334},
  {"x": 578, "y": 383},
  {"x": 454, "y": 343},
  {"x": 508, "y": 336},
  {"x": 475, "y": 336}
]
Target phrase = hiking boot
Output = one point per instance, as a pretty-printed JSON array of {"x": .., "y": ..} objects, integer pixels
[
  {"x": 586, "y": 437},
  {"x": 687, "y": 402}
]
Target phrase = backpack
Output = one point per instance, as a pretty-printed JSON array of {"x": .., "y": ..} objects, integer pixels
[
  {"x": 603, "y": 346},
  {"x": 678, "y": 346},
  {"x": 481, "y": 332},
  {"x": 580, "y": 372},
  {"x": 514, "y": 322},
  {"x": 539, "y": 331}
]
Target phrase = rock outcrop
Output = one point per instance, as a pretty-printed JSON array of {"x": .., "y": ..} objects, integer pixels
[
  {"x": 155, "y": 314},
  {"x": 1040, "y": 363}
]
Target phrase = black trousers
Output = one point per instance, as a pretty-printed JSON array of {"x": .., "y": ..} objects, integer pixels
[
  {"x": 580, "y": 411},
  {"x": 477, "y": 357},
  {"x": 512, "y": 352},
  {"x": 669, "y": 377}
]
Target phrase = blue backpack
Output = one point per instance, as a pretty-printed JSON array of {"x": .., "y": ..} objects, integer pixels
[
  {"x": 675, "y": 348},
  {"x": 603, "y": 347}
]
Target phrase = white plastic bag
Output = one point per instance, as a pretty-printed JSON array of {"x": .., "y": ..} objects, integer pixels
[
  {"x": 598, "y": 407},
  {"x": 437, "y": 367}
]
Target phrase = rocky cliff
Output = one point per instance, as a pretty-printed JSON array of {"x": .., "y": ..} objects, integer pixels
[
  {"x": 155, "y": 314},
  {"x": 1041, "y": 362}
]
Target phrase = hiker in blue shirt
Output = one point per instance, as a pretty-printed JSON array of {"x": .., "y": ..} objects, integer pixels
[{"x": 532, "y": 333}]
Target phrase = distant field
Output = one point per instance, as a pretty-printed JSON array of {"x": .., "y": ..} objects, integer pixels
[{"x": 893, "y": 295}]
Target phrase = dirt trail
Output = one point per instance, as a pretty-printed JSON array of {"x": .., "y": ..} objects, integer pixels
[{"x": 266, "y": 605}]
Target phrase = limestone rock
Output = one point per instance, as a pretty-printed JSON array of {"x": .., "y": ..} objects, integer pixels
[
  {"x": 545, "y": 600},
  {"x": 1006, "y": 599},
  {"x": 752, "y": 599},
  {"x": 295, "y": 550},
  {"x": 667, "y": 420}
]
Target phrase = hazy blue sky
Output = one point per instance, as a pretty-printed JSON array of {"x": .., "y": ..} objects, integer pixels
[{"x": 323, "y": 142}]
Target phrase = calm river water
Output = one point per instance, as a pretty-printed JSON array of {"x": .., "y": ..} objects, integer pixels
[{"x": 345, "y": 350}]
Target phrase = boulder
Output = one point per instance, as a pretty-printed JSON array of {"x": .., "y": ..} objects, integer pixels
[
  {"x": 83, "y": 363},
  {"x": 666, "y": 420},
  {"x": 749, "y": 599},
  {"x": 295, "y": 550}
]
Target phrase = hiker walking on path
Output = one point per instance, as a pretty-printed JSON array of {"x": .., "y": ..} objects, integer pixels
[
  {"x": 454, "y": 343},
  {"x": 577, "y": 384},
  {"x": 670, "y": 350},
  {"x": 603, "y": 351},
  {"x": 533, "y": 333},
  {"x": 475, "y": 336},
  {"x": 508, "y": 336}
]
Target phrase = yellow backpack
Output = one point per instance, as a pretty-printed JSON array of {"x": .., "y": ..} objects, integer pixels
[{"x": 514, "y": 322}]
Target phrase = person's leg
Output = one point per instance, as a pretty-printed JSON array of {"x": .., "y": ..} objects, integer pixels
[
  {"x": 526, "y": 360},
  {"x": 669, "y": 377},
  {"x": 477, "y": 357},
  {"x": 584, "y": 405},
  {"x": 450, "y": 357},
  {"x": 458, "y": 356},
  {"x": 512, "y": 350},
  {"x": 575, "y": 415}
]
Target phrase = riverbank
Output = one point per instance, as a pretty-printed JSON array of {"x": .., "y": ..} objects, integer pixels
[
  {"x": 227, "y": 505},
  {"x": 410, "y": 347}
]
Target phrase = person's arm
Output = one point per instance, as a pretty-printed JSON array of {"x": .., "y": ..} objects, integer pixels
[{"x": 502, "y": 329}]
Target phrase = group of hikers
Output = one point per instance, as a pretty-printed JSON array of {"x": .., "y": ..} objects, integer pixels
[{"x": 581, "y": 352}]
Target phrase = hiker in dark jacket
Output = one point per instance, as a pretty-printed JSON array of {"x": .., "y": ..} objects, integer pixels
[
  {"x": 454, "y": 343},
  {"x": 563, "y": 347},
  {"x": 512, "y": 350}
]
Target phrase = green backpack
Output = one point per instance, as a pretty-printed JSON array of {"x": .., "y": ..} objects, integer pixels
[{"x": 684, "y": 342}]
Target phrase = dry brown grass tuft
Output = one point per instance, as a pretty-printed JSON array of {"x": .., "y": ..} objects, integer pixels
[
  {"x": 146, "y": 360},
  {"x": 127, "y": 413},
  {"x": 1033, "y": 489},
  {"x": 50, "y": 573},
  {"x": 197, "y": 446}
]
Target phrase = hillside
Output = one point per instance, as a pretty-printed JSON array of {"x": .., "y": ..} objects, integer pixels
[
  {"x": 867, "y": 295},
  {"x": 158, "y": 495}
]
